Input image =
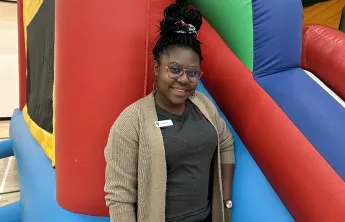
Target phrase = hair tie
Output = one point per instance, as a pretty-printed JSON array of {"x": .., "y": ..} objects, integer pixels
[{"x": 186, "y": 28}]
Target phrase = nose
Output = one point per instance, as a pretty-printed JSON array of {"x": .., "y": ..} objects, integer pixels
[{"x": 183, "y": 78}]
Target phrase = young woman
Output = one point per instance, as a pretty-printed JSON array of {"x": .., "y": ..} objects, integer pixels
[{"x": 170, "y": 156}]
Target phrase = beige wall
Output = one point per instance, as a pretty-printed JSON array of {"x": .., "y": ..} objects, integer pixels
[{"x": 9, "y": 88}]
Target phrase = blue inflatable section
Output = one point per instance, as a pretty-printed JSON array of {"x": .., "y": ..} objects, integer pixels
[
  {"x": 317, "y": 115},
  {"x": 37, "y": 181},
  {"x": 6, "y": 148},
  {"x": 10, "y": 212},
  {"x": 253, "y": 197},
  {"x": 277, "y": 33}
]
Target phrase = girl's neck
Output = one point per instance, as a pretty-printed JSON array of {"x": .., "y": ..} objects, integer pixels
[{"x": 167, "y": 105}]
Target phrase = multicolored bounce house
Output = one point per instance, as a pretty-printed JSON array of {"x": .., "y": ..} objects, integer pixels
[{"x": 280, "y": 85}]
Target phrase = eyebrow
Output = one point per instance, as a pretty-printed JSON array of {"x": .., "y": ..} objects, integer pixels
[{"x": 183, "y": 65}]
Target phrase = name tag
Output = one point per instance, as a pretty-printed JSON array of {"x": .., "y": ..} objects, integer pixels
[{"x": 163, "y": 123}]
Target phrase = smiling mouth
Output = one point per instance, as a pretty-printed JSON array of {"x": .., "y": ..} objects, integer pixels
[{"x": 180, "y": 92}]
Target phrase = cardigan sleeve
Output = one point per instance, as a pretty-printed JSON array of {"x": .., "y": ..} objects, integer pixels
[
  {"x": 121, "y": 155},
  {"x": 226, "y": 141}
]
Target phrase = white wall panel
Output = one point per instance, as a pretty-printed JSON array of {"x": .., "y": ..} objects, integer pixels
[{"x": 9, "y": 83}]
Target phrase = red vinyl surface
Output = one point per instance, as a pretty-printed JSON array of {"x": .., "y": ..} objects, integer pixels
[
  {"x": 156, "y": 9},
  {"x": 21, "y": 55},
  {"x": 304, "y": 181},
  {"x": 102, "y": 60},
  {"x": 324, "y": 55}
]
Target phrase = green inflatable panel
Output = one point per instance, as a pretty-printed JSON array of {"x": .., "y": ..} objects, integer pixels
[
  {"x": 342, "y": 21},
  {"x": 233, "y": 21}
]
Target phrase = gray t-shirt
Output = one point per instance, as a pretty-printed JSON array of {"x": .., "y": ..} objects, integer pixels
[{"x": 190, "y": 144}]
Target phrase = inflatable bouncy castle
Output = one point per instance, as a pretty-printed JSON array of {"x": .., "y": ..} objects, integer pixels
[
  {"x": 342, "y": 21},
  {"x": 279, "y": 86}
]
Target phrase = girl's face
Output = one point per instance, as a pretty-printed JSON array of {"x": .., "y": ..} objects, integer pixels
[{"x": 178, "y": 73}]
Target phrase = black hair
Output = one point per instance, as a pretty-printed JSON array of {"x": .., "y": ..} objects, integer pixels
[{"x": 169, "y": 27}]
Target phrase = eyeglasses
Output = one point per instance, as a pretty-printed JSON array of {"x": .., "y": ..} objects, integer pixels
[{"x": 175, "y": 70}]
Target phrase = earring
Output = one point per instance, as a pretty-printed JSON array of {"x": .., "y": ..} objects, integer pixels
[
  {"x": 192, "y": 96},
  {"x": 155, "y": 88}
]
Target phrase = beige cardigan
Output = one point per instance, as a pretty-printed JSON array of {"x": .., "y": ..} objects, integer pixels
[{"x": 136, "y": 166}]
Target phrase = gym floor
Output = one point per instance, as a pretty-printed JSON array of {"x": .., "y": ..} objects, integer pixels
[
  {"x": 326, "y": 13},
  {"x": 9, "y": 186}
]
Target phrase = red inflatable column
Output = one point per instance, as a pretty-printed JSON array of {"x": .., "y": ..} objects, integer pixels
[
  {"x": 21, "y": 55},
  {"x": 323, "y": 54},
  {"x": 101, "y": 67}
]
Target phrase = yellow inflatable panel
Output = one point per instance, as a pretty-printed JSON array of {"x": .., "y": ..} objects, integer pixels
[{"x": 45, "y": 139}]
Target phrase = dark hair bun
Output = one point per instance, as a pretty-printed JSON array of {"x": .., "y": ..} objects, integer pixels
[{"x": 175, "y": 13}]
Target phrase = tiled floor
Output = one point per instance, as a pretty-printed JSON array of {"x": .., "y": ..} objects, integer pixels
[{"x": 8, "y": 172}]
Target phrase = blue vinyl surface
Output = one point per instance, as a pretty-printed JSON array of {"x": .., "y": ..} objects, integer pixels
[
  {"x": 10, "y": 212},
  {"x": 254, "y": 200},
  {"x": 317, "y": 115},
  {"x": 37, "y": 180},
  {"x": 277, "y": 35},
  {"x": 6, "y": 148}
]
